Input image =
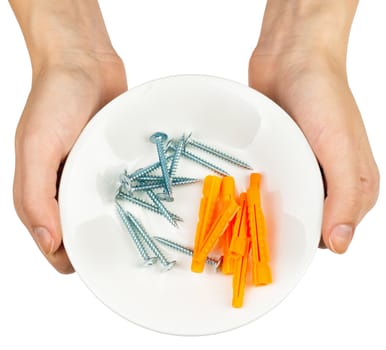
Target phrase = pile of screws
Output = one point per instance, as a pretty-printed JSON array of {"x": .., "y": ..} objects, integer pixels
[{"x": 152, "y": 186}]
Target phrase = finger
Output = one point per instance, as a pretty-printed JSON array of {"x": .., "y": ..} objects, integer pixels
[
  {"x": 349, "y": 196},
  {"x": 38, "y": 159}
]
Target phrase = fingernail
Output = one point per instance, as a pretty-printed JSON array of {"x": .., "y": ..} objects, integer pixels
[
  {"x": 340, "y": 238},
  {"x": 44, "y": 240}
]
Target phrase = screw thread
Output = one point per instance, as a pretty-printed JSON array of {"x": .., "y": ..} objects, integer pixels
[
  {"x": 147, "y": 239},
  {"x": 176, "y": 157},
  {"x": 164, "y": 169},
  {"x": 145, "y": 205},
  {"x": 161, "y": 207},
  {"x": 140, "y": 247},
  {"x": 179, "y": 248},
  {"x": 173, "y": 245},
  {"x": 220, "y": 154},
  {"x": 148, "y": 186},
  {"x": 152, "y": 185},
  {"x": 147, "y": 170},
  {"x": 204, "y": 163},
  {"x": 177, "y": 180}
]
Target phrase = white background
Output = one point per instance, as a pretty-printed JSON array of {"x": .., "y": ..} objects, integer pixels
[{"x": 339, "y": 304}]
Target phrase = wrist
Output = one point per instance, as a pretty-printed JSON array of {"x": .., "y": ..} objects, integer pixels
[
  {"x": 316, "y": 28},
  {"x": 63, "y": 31}
]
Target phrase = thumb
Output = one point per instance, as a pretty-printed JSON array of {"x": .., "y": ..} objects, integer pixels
[
  {"x": 348, "y": 199},
  {"x": 341, "y": 214},
  {"x": 35, "y": 185}
]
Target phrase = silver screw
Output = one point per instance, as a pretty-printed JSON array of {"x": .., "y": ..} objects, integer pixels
[
  {"x": 140, "y": 247},
  {"x": 220, "y": 154},
  {"x": 144, "y": 171},
  {"x": 125, "y": 183},
  {"x": 159, "y": 139},
  {"x": 145, "y": 205},
  {"x": 201, "y": 161},
  {"x": 177, "y": 180},
  {"x": 161, "y": 207},
  {"x": 187, "y": 251},
  {"x": 154, "y": 184},
  {"x": 180, "y": 145},
  {"x": 167, "y": 264}
]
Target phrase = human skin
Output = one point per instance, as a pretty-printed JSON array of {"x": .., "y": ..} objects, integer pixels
[
  {"x": 300, "y": 63},
  {"x": 75, "y": 73},
  {"x": 297, "y": 63}
]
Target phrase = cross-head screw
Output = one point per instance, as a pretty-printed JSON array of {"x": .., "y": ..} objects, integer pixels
[
  {"x": 149, "y": 241},
  {"x": 148, "y": 261},
  {"x": 158, "y": 137},
  {"x": 217, "y": 263}
]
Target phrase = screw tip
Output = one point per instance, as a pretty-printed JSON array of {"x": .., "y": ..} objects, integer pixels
[{"x": 218, "y": 266}]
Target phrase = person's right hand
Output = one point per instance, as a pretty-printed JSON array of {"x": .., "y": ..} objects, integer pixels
[
  {"x": 64, "y": 96},
  {"x": 75, "y": 72}
]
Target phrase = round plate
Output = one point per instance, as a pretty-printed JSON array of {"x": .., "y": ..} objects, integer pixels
[{"x": 221, "y": 113}]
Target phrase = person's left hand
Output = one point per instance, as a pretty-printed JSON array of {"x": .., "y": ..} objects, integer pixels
[{"x": 315, "y": 93}]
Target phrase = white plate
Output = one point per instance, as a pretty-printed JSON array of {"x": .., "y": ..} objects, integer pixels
[{"x": 231, "y": 116}]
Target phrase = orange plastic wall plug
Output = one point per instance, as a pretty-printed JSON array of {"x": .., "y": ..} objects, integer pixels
[
  {"x": 221, "y": 222},
  {"x": 240, "y": 276},
  {"x": 261, "y": 271},
  {"x": 239, "y": 250},
  {"x": 210, "y": 192}
]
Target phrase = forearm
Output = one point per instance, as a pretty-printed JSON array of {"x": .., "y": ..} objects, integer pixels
[
  {"x": 317, "y": 25},
  {"x": 56, "y": 30}
]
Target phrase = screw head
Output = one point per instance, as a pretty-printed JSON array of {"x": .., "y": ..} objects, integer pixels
[
  {"x": 150, "y": 261},
  {"x": 158, "y": 137},
  {"x": 164, "y": 197},
  {"x": 125, "y": 184},
  {"x": 169, "y": 266}
]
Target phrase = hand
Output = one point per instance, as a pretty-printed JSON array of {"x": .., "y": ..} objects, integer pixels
[
  {"x": 62, "y": 100},
  {"x": 310, "y": 83},
  {"x": 76, "y": 72}
]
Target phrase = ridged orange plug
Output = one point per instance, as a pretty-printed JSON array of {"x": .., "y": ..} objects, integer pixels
[
  {"x": 227, "y": 261},
  {"x": 225, "y": 241},
  {"x": 210, "y": 192},
  {"x": 240, "y": 229},
  {"x": 239, "y": 250},
  {"x": 227, "y": 212},
  {"x": 240, "y": 276},
  {"x": 261, "y": 271}
]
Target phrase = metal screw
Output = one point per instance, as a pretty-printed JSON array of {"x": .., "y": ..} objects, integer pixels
[
  {"x": 201, "y": 161},
  {"x": 125, "y": 183},
  {"x": 159, "y": 139},
  {"x": 156, "y": 184},
  {"x": 220, "y": 154},
  {"x": 140, "y": 247},
  {"x": 177, "y": 180},
  {"x": 167, "y": 264},
  {"x": 161, "y": 207},
  {"x": 180, "y": 145},
  {"x": 145, "y": 205},
  {"x": 144, "y": 171},
  {"x": 187, "y": 251}
]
